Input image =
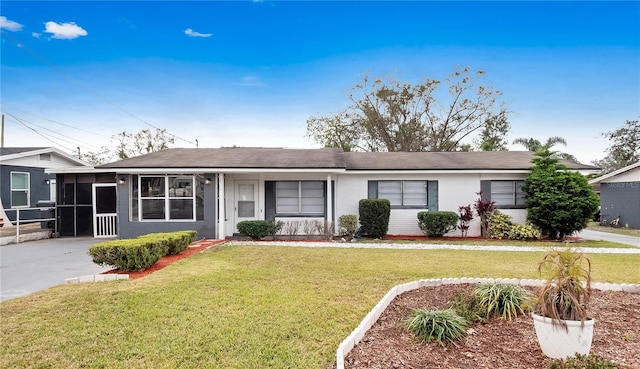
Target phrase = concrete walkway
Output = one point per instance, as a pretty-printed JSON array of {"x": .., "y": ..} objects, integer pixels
[
  {"x": 588, "y": 234},
  {"x": 36, "y": 265}
]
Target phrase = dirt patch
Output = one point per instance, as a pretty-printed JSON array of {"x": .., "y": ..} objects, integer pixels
[
  {"x": 497, "y": 343},
  {"x": 165, "y": 261}
]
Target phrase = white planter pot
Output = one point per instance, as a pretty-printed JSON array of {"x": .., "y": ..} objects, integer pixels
[{"x": 559, "y": 343}]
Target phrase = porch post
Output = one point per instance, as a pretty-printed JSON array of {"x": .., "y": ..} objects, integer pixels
[
  {"x": 330, "y": 202},
  {"x": 221, "y": 208}
]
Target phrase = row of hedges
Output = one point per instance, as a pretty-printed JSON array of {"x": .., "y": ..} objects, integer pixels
[{"x": 130, "y": 255}]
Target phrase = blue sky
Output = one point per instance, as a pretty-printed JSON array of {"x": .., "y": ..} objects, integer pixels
[{"x": 250, "y": 73}]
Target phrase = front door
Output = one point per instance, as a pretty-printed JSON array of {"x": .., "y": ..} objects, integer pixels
[
  {"x": 246, "y": 206},
  {"x": 104, "y": 210}
]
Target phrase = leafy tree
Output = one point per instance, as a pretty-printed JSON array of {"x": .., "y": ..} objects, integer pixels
[
  {"x": 531, "y": 144},
  {"x": 399, "y": 116},
  {"x": 559, "y": 201},
  {"x": 624, "y": 147},
  {"x": 125, "y": 145},
  {"x": 494, "y": 133}
]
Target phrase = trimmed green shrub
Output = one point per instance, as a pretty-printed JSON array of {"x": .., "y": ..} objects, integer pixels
[
  {"x": 374, "y": 216},
  {"x": 128, "y": 255},
  {"x": 257, "y": 229},
  {"x": 176, "y": 241},
  {"x": 347, "y": 225},
  {"x": 437, "y": 325},
  {"x": 500, "y": 225},
  {"x": 437, "y": 223},
  {"x": 505, "y": 300},
  {"x": 524, "y": 232}
]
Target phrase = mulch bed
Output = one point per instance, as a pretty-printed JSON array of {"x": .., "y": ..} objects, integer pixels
[{"x": 165, "y": 261}]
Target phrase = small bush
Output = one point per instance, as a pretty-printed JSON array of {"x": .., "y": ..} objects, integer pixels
[
  {"x": 347, "y": 225},
  {"x": 466, "y": 304},
  {"x": 524, "y": 232},
  {"x": 591, "y": 361},
  {"x": 129, "y": 255},
  {"x": 374, "y": 216},
  {"x": 437, "y": 325},
  {"x": 291, "y": 228},
  {"x": 176, "y": 242},
  {"x": 324, "y": 229},
  {"x": 256, "y": 229},
  {"x": 500, "y": 225},
  {"x": 504, "y": 300},
  {"x": 437, "y": 223}
]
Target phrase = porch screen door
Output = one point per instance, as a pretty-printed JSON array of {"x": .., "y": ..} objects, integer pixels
[
  {"x": 104, "y": 210},
  {"x": 246, "y": 201}
]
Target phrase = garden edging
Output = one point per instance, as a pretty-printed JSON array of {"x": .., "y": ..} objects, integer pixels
[{"x": 370, "y": 319}]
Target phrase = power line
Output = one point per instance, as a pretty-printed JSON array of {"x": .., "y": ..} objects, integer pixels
[{"x": 87, "y": 89}]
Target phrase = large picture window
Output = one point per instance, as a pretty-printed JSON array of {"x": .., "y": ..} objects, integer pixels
[
  {"x": 408, "y": 194},
  {"x": 20, "y": 190},
  {"x": 300, "y": 197},
  {"x": 167, "y": 198},
  {"x": 508, "y": 194}
]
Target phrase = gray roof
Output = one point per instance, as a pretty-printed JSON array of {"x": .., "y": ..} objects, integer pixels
[
  {"x": 17, "y": 150},
  {"x": 236, "y": 157},
  {"x": 279, "y": 158},
  {"x": 450, "y": 160}
]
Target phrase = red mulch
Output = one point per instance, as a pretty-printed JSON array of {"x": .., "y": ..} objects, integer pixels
[{"x": 165, "y": 261}]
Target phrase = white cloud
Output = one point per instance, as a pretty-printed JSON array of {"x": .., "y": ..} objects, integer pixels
[
  {"x": 64, "y": 31},
  {"x": 191, "y": 33},
  {"x": 9, "y": 25},
  {"x": 35, "y": 34},
  {"x": 250, "y": 81}
]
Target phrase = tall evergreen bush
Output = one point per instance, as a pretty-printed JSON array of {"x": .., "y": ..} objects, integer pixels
[{"x": 374, "y": 216}]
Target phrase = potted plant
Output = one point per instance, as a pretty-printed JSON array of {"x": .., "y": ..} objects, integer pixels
[{"x": 561, "y": 322}]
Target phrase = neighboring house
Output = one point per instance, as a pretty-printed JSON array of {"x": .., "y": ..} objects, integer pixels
[
  {"x": 620, "y": 195},
  {"x": 23, "y": 180},
  {"x": 212, "y": 190}
]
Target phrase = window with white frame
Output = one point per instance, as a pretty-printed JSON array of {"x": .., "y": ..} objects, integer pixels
[
  {"x": 404, "y": 193},
  {"x": 167, "y": 198},
  {"x": 20, "y": 189},
  {"x": 300, "y": 197},
  {"x": 507, "y": 194}
]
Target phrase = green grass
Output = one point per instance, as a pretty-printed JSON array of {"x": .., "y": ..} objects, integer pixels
[
  {"x": 494, "y": 242},
  {"x": 239, "y": 307}
]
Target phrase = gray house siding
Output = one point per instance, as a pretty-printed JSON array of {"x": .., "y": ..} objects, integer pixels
[
  {"x": 621, "y": 199},
  {"x": 38, "y": 188},
  {"x": 205, "y": 228}
]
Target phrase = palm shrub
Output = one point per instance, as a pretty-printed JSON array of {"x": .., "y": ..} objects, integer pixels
[
  {"x": 437, "y": 223},
  {"x": 374, "y": 216},
  {"x": 437, "y": 325},
  {"x": 504, "y": 300},
  {"x": 565, "y": 295}
]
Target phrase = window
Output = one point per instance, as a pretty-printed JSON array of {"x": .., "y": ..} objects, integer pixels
[
  {"x": 508, "y": 194},
  {"x": 166, "y": 197},
  {"x": 19, "y": 190},
  {"x": 406, "y": 194},
  {"x": 300, "y": 197}
]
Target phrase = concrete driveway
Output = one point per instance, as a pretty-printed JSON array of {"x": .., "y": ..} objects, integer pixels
[
  {"x": 588, "y": 234},
  {"x": 37, "y": 265}
]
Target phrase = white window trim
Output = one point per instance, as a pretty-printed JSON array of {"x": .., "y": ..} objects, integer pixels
[
  {"x": 167, "y": 199},
  {"x": 28, "y": 189}
]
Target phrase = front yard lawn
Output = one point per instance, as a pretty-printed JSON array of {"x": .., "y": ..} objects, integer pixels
[{"x": 240, "y": 306}]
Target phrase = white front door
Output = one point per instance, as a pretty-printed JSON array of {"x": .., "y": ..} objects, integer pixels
[{"x": 246, "y": 205}]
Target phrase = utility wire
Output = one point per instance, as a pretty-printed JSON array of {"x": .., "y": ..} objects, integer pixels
[
  {"x": 84, "y": 87},
  {"x": 64, "y": 138},
  {"x": 56, "y": 122}
]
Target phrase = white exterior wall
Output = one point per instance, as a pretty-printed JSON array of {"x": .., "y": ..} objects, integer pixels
[
  {"x": 630, "y": 176},
  {"x": 260, "y": 178},
  {"x": 454, "y": 190}
]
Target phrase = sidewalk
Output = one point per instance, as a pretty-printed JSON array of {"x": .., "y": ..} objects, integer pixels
[{"x": 588, "y": 234}]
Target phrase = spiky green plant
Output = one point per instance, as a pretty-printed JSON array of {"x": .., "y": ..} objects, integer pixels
[
  {"x": 505, "y": 300},
  {"x": 566, "y": 293},
  {"x": 437, "y": 325}
]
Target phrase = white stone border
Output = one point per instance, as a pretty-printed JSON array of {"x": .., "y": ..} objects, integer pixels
[
  {"x": 370, "y": 319},
  {"x": 96, "y": 278}
]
